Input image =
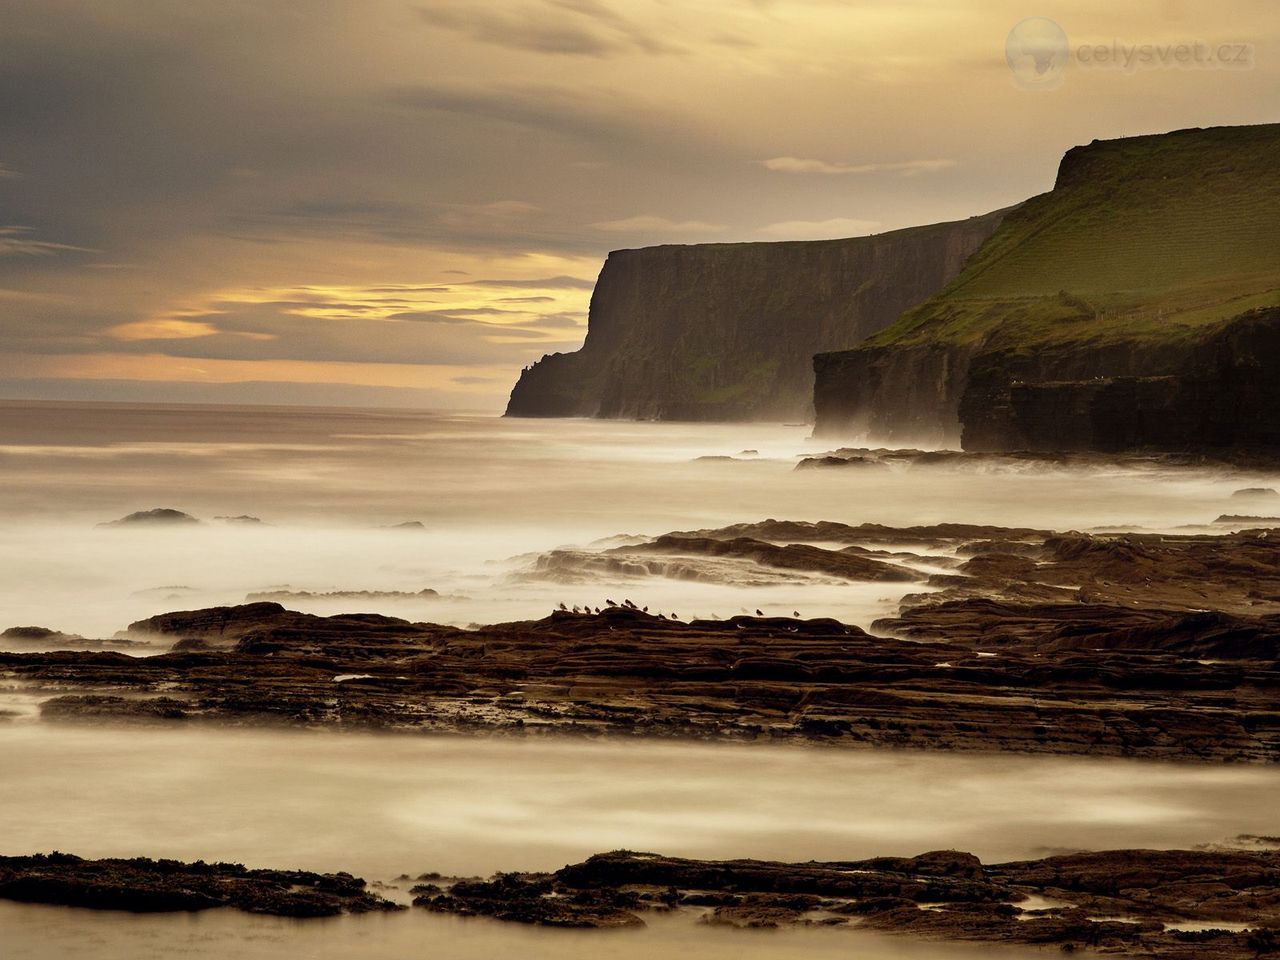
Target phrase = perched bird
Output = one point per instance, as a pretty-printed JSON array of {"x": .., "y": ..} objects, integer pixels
[
  {"x": 796, "y": 614},
  {"x": 759, "y": 612},
  {"x": 611, "y": 603},
  {"x": 646, "y": 610},
  {"x": 629, "y": 604},
  {"x": 564, "y": 608},
  {"x": 675, "y": 616},
  {"x": 575, "y": 610}
]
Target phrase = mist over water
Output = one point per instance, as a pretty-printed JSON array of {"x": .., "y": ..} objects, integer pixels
[
  {"x": 383, "y": 805},
  {"x": 38, "y": 933},
  {"x": 491, "y": 494}
]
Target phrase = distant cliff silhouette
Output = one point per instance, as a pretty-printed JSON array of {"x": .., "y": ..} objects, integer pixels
[{"x": 728, "y": 331}]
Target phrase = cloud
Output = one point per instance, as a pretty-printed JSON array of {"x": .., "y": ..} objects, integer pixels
[
  {"x": 583, "y": 28},
  {"x": 17, "y": 241},
  {"x": 906, "y": 168},
  {"x": 836, "y": 228},
  {"x": 262, "y": 332},
  {"x": 310, "y": 152},
  {"x": 162, "y": 329},
  {"x": 519, "y": 30},
  {"x": 541, "y": 106},
  {"x": 549, "y": 283},
  {"x": 646, "y": 223}
]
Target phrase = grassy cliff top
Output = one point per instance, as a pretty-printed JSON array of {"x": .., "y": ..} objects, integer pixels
[{"x": 1157, "y": 237}]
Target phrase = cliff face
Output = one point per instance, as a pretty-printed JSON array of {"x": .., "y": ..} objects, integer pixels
[
  {"x": 728, "y": 331},
  {"x": 1136, "y": 305}
]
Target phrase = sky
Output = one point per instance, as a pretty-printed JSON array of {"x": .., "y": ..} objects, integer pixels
[{"x": 404, "y": 202}]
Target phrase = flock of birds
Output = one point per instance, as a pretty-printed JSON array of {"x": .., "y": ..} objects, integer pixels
[{"x": 628, "y": 605}]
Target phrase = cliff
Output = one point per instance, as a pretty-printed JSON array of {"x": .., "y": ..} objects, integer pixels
[
  {"x": 728, "y": 331},
  {"x": 1136, "y": 305}
]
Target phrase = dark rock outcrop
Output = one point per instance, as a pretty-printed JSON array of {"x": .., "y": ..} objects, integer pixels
[
  {"x": 728, "y": 331},
  {"x": 266, "y": 626},
  {"x": 143, "y": 885},
  {"x": 159, "y": 517},
  {"x": 1128, "y": 662},
  {"x": 36, "y": 635},
  {"x": 1154, "y": 904}
]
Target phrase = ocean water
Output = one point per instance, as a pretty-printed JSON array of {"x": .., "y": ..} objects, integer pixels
[
  {"x": 385, "y": 805},
  {"x": 491, "y": 495}
]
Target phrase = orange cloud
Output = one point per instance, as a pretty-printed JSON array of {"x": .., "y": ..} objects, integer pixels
[
  {"x": 159, "y": 367},
  {"x": 162, "y": 329}
]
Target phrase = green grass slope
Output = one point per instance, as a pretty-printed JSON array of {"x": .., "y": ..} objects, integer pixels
[{"x": 1155, "y": 238}]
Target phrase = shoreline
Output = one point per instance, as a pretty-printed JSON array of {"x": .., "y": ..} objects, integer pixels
[{"x": 1130, "y": 903}]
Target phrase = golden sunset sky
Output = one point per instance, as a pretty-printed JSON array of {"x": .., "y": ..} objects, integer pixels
[{"x": 403, "y": 202}]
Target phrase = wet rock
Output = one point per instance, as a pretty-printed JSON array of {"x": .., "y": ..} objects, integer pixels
[
  {"x": 1125, "y": 682},
  {"x": 796, "y": 556},
  {"x": 533, "y": 899},
  {"x": 939, "y": 895},
  {"x": 143, "y": 885}
]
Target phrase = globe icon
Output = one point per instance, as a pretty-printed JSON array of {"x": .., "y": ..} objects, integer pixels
[{"x": 1037, "y": 53}]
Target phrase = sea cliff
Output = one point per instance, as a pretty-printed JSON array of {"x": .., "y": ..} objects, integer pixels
[
  {"x": 728, "y": 331},
  {"x": 1135, "y": 306}
]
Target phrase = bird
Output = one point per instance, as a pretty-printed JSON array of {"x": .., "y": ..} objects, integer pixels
[
  {"x": 563, "y": 607},
  {"x": 646, "y": 610},
  {"x": 629, "y": 604},
  {"x": 611, "y": 603},
  {"x": 675, "y": 616},
  {"x": 759, "y": 612},
  {"x": 575, "y": 610},
  {"x": 796, "y": 614}
]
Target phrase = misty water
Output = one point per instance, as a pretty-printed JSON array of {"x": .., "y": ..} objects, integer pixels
[
  {"x": 491, "y": 494},
  {"x": 383, "y": 805}
]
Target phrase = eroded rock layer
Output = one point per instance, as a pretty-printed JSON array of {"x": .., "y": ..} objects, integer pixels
[{"x": 1161, "y": 646}]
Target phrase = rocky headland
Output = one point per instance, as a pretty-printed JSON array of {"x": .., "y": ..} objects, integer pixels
[
  {"x": 1133, "y": 306},
  {"x": 728, "y": 331}
]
